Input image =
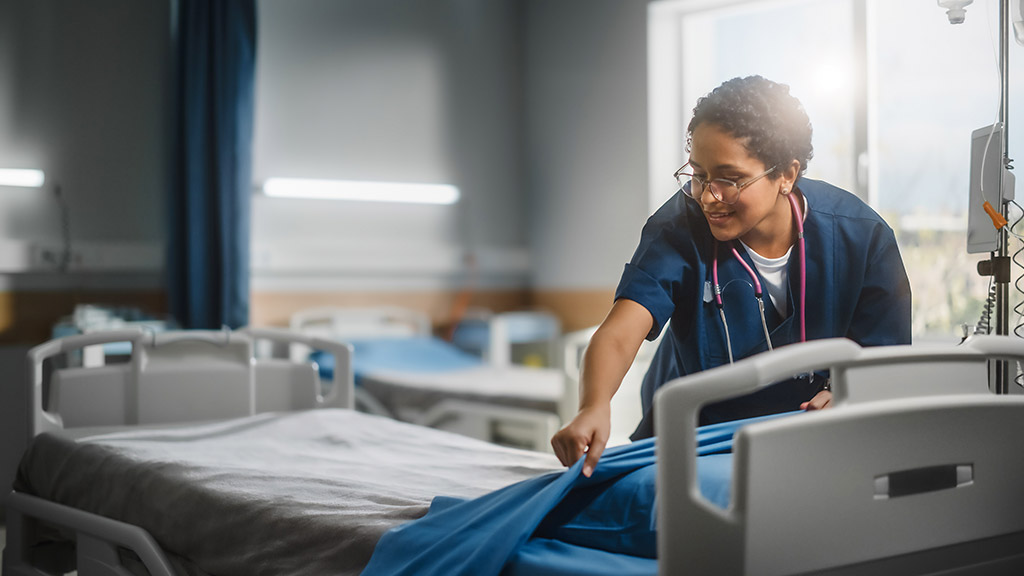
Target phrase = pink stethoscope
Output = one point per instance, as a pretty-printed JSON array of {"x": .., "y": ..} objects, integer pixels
[{"x": 758, "y": 293}]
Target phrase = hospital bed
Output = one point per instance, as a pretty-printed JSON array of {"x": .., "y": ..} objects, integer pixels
[
  {"x": 914, "y": 472},
  {"x": 402, "y": 370},
  {"x": 528, "y": 337},
  {"x": 196, "y": 457}
]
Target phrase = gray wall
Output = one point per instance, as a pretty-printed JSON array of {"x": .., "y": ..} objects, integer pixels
[
  {"x": 586, "y": 144},
  {"x": 83, "y": 96},
  {"x": 396, "y": 91},
  {"x": 536, "y": 109}
]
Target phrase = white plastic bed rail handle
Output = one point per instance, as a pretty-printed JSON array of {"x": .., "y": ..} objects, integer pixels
[
  {"x": 214, "y": 337},
  {"x": 992, "y": 346},
  {"x": 342, "y": 394},
  {"x": 677, "y": 405},
  {"x": 751, "y": 373},
  {"x": 69, "y": 343},
  {"x": 39, "y": 420}
]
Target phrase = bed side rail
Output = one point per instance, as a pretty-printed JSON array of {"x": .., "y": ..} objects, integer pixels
[
  {"x": 97, "y": 540},
  {"x": 688, "y": 523}
]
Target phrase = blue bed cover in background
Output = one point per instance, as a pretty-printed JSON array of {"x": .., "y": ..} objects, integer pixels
[
  {"x": 498, "y": 532},
  {"x": 414, "y": 354}
]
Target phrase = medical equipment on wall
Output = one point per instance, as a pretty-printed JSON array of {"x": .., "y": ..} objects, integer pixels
[
  {"x": 955, "y": 9},
  {"x": 1017, "y": 17},
  {"x": 758, "y": 292},
  {"x": 991, "y": 180}
]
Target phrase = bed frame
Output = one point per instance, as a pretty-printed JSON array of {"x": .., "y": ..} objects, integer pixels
[
  {"x": 917, "y": 470},
  {"x": 172, "y": 377}
]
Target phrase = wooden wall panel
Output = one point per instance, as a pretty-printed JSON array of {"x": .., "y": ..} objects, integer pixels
[{"x": 28, "y": 317}]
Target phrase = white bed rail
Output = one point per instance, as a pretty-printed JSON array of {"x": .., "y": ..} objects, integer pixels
[
  {"x": 811, "y": 492},
  {"x": 97, "y": 540},
  {"x": 341, "y": 393},
  {"x": 180, "y": 376}
]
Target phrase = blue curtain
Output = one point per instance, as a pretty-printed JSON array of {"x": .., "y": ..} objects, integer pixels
[{"x": 208, "y": 260}]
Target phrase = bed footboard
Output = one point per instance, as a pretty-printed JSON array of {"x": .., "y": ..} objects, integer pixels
[{"x": 914, "y": 467}]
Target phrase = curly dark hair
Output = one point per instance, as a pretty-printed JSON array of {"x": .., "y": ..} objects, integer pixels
[{"x": 773, "y": 122}]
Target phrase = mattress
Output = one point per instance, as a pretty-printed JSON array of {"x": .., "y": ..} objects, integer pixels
[{"x": 284, "y": 493}]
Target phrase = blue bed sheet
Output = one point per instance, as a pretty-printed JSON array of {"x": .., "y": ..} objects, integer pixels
[
  {"x": 414, "y": 354},
  {"x": 555, "y": 524}
]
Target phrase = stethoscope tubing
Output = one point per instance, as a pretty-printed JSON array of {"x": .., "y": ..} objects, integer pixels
[{"x": 758, "y": 293}]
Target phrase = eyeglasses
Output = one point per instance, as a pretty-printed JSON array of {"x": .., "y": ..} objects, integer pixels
[{"x": 725, "y": 191}]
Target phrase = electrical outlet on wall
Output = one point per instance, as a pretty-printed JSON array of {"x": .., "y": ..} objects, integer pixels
[{"x": 50, "y": 257}]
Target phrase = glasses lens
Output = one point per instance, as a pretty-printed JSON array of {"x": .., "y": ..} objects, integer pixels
[
  {"x": 724, "y": 190},
  {"x": 682, "y": 178}
]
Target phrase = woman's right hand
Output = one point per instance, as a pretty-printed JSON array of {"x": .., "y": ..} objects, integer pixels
[{"x": 587, "y": 433}]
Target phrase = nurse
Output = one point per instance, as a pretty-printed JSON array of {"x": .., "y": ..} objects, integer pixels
[{"x": 749, "y": 255}]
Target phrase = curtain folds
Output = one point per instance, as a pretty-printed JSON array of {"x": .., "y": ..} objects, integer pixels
[{"x": 208, "y": 232}]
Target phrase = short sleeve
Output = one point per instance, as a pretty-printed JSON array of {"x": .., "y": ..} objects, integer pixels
[
  {"x": 642, "y": 288},
  {"x": 661, "y": 273}
]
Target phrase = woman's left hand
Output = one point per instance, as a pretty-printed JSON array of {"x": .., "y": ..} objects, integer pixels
[{"x": 820, "y": 401}]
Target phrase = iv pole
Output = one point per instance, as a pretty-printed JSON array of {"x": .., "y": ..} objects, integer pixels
[
  {"x": 999, "y": 265},
  {"x": 1000, "y": 261}
]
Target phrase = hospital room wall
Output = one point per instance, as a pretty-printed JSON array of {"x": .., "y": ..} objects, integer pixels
[
  {"x": 424, "y": 91},
  {"x": 585, "y": 149},
  {"x": 83, "y": 97},
  {"x": 536, "y": 110}
]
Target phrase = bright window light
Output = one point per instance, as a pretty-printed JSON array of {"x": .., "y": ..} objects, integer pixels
[
  {"x": 367, "y": 191},
  {"x": 22, "y": 178}
]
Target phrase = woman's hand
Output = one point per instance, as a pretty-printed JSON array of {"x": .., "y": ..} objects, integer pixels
[
  {"x": 587, "y": 433},
  {"x": 820, "y": 401}
]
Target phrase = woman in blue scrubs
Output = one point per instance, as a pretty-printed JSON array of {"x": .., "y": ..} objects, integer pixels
[{"x": 733, "y": 230}]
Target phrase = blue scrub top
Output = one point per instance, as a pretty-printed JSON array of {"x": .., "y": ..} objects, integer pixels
[{"x": 857, "y": 288}]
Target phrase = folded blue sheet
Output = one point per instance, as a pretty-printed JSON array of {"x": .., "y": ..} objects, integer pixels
[
  {"x": 558, "y": 523},
  {"x": 414, "y": 354}
]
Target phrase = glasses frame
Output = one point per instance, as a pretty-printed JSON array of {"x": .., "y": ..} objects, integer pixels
[{"x": 706, "y": 184}]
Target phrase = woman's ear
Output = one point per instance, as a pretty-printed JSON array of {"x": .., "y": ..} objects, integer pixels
[{"x": 788, "y": 176}]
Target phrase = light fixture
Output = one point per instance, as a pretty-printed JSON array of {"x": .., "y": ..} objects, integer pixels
[
  {"x": 21, "y": 177},
  {"x": 365, "y": 191}
]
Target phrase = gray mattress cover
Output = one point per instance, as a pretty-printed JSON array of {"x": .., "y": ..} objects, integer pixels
[{"x": 285, "y": 493}]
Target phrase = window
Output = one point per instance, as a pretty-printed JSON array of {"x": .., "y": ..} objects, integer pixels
[{"x": 893, "y": 91}]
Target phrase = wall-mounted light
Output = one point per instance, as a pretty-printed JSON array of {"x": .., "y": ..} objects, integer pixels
[
  {"x": 365, "y": 191},
  {"x": 21, "y": 177}
]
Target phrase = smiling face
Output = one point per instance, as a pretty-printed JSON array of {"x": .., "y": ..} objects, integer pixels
[{"x": 761, "y": 217}]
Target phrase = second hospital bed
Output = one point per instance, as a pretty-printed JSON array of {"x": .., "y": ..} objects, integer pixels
[
  {"x": 402, "y": 370},
  {"x": 914, "y": 472}
]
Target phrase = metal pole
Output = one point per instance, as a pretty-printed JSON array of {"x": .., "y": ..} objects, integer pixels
[{"x": 1003, "y": 288}]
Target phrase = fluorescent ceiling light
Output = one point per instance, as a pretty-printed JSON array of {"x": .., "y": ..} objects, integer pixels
[
  {"x": 367, "y": 191},
  {"x": 22, "y": 178}
]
